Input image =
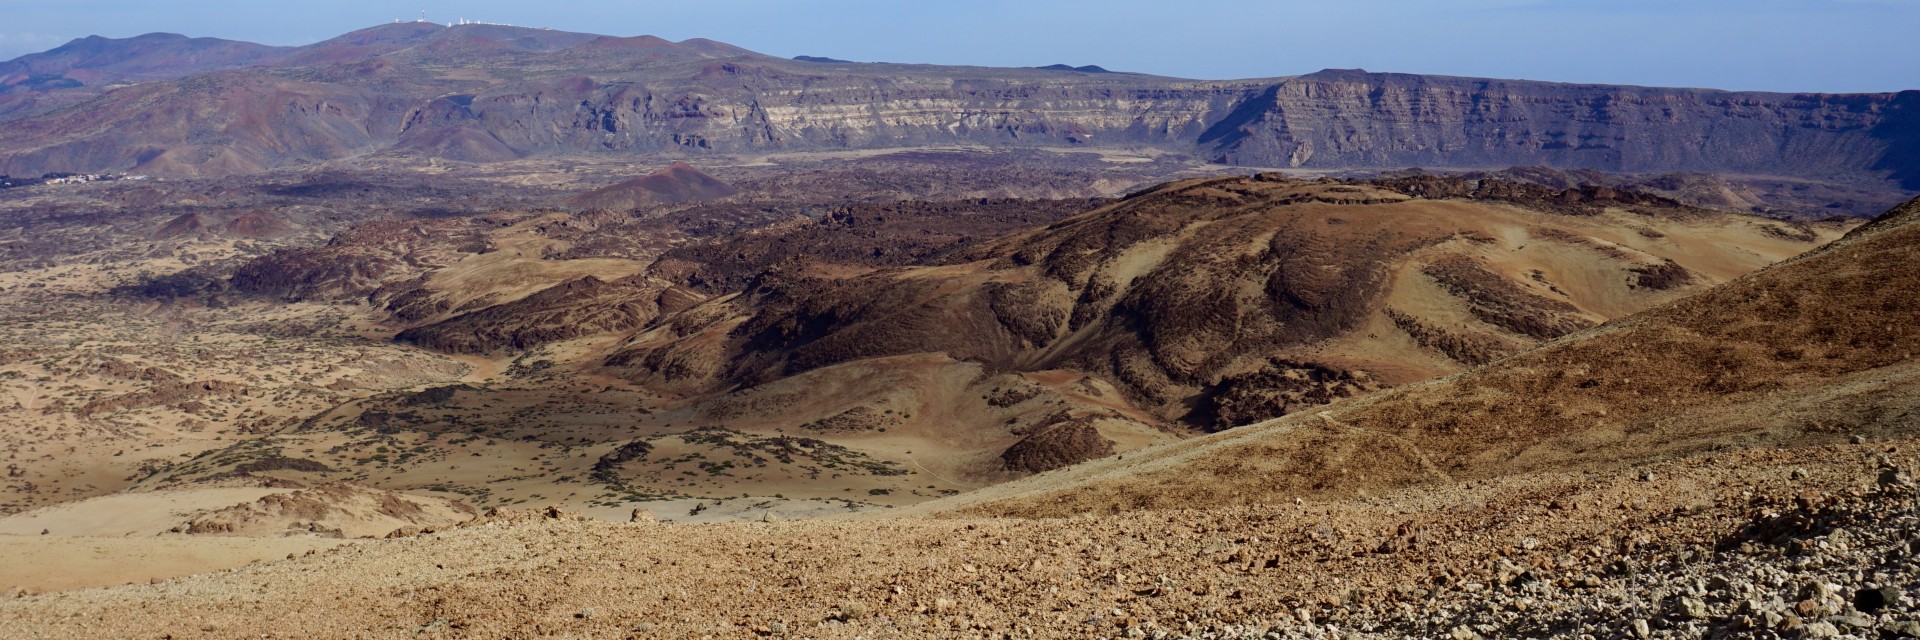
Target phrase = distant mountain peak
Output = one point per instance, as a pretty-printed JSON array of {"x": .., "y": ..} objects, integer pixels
[
  {"x": 97, "y": 39},
  {"x": 99, "y": 60},
  {"x": 385, "y": 33},
  {"x": 1091, "y": 68}
]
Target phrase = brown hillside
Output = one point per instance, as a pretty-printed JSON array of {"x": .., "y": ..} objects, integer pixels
[
  {"x": 460, "y": 143},
  {"x": 1178, "y": 293},
  {"x": 679, "y": 183},
  {"x": 1801, "y": 353},
  {"x": 573, "y": 309}
]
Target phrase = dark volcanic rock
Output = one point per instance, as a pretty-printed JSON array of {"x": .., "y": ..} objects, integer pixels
[
  {"x": 1501, "y": 303},
  {"x": 1580, "y": 199},
  {"x": 278, "y": 463},
  {"x": 1281, "y": 388},
  {"x": 868, "y": 233},
  {"x": 1061, "y": 444},
  {"x": 573, "y": 309},
  {"x": 358, "y": 262}
]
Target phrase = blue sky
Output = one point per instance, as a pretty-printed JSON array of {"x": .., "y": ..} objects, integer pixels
[{"x": 1779, "y": 45}]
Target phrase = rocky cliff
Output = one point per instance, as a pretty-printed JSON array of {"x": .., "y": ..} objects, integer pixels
[
  {"x": 1359, "y": 119},
  {"x": 481, "y": 95}
]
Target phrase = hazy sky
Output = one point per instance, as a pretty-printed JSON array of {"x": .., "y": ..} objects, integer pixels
[{"x": 1780, "y": 45}]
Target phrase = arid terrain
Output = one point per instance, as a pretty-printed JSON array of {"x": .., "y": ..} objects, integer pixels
[
  {"x": 1734, "y": 462},
  {"x": 423, "y": 351}
]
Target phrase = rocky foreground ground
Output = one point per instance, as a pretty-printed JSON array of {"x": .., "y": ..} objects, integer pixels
[{"x": 1812, "y": 542}]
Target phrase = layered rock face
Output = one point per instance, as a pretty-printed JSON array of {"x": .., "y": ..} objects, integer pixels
[
  {"x": 1332, "y": 119},
  {"x": 1358, "y": 119},
  {"x": 476, "y": 96},
  {"x": 762, "y": 105}
]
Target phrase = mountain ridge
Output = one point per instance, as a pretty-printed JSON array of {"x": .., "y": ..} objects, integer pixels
[{"x": 459, "y": 93}]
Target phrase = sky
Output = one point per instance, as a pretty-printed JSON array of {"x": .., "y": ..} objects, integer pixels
[{"x": 1772, "y": 45}]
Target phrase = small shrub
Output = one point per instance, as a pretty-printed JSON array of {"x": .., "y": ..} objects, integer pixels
[{"x": 852, "y": 610}]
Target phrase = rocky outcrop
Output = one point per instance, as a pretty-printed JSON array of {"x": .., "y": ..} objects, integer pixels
[
  {"x": 1058, "y": 445},
  {"x": 164, "y": 394},
  {"x": 251, "y": 224},
  {"x": 1584, "y": 198},
  {"x": 1500, "y": 302},
  {"x": 361, "y": 260},
  {"x": 606, "y": 470},
  {"x": 330, "y": 510},
  {"x": 581, "y": 307},
  {"x": 1280, "y": 388}
]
